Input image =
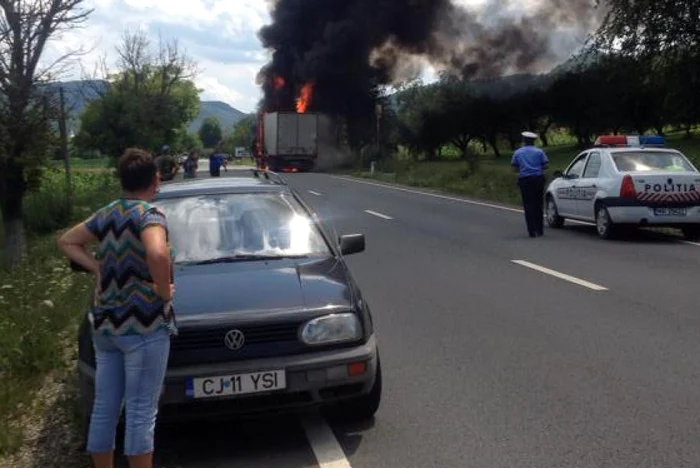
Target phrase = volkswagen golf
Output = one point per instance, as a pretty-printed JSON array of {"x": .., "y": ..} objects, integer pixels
[{"x": 269, "y": 317}]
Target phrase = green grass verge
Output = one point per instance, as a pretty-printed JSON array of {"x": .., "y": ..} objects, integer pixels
[
  {"x": 39, "y": 300},
  {"x": 80, "y": 164},
  {"x": 42, "y": 298},
  {"x": 495, "y": 180}
]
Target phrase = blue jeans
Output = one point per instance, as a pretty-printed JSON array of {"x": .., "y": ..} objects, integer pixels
[{"x": 130, "y": 369}]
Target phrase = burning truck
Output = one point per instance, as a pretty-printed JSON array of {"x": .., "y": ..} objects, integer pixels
[{"x": 299, "y": 140}]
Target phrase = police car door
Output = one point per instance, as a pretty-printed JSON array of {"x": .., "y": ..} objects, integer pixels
[
  {"x": 566, "y": 192},
  {"x": 587, "y": 186}
]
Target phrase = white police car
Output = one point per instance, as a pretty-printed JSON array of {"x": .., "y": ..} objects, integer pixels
[{"x": 627, "y": 181}]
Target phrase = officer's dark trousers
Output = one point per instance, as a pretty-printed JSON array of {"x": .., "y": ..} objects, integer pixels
[{"x": 532, "y": 190}]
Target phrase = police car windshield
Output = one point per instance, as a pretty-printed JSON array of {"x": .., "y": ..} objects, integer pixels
[{"x": 644, "y": 161}]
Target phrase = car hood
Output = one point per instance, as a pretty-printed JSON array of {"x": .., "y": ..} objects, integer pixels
[{"x": 246, "y": 290}]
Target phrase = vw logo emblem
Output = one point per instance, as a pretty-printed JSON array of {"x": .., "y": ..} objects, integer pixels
[{"x": 234, "y": 339}]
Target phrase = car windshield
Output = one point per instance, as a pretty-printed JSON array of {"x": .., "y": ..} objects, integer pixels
[
  {"x": 229, "y": 227},
  {"x": 643, "y": 161}
]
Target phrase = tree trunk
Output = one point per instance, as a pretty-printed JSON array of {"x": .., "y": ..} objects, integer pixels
[
  {"x": 494, "y": 144},
  {"x": 15, "y": 245},
  {"x": 543, "y": 133}
]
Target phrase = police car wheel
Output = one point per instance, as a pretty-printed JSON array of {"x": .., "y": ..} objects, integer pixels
[
  {"x": 604, "y": 225},
  {"x": 692, "y": 232},
  {"x": 553, "y": 219}
]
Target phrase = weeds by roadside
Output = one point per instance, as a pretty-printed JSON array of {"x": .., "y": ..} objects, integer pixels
[
  {"x": 491, "y": 182},
  {"x": 40, "y": 300}
]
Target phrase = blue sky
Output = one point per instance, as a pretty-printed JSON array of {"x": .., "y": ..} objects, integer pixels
[{"x": 221, "y": 35}]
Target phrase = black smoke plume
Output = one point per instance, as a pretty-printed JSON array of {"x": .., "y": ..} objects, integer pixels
[{"x": 349, "y": 48}]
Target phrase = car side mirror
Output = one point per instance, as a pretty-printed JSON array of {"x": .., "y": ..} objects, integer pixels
[
  {"x": 76, "y": 268},
  {"x": 558, "y": 175},
  {"x": 352, "y": 244}
]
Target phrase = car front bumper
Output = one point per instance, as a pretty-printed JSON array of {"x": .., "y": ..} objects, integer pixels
[{"x": 313, "y": 379}]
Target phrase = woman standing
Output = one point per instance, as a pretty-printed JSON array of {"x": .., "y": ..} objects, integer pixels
[{"x": 131, "y": 312}]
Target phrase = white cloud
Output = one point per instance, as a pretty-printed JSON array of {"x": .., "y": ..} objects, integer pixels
[{"x": 221, "y": 35}]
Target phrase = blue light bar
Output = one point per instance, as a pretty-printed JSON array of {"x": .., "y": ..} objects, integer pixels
[{"x": 652, "y": 140}]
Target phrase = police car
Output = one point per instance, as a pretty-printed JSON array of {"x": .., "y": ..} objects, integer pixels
[{"x": 627, "y": 181}]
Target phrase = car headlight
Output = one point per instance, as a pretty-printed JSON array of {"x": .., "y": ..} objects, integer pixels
[{"x": 335, "y": 328}]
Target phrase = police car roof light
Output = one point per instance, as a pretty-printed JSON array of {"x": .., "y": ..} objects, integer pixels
[
  {"x": 652, "y": 140},
  {"x": 611, "y": 140}
]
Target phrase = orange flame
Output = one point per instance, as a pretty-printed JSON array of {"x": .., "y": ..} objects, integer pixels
[
  {"x": 278, "y": 82},
  {"x": 305, "y": 97}
]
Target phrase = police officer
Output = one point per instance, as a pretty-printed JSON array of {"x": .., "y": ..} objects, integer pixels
[{"x": 530, "y": 163}]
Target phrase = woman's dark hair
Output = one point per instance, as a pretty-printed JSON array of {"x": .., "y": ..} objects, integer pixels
[{"x": 137, "y": 169}]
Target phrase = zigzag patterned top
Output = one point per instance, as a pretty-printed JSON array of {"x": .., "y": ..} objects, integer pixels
[{"x": 125, "y": 303}]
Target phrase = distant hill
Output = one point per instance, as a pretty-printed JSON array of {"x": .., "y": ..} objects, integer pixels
[
  {"x": 79, "y": 93},
  {"x": 228, "y": 116}
]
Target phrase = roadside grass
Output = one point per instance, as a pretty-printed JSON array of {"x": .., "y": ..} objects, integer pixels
[
  {"x": 41, "y": 298},
  {"x": 78, "y": 164},
  {"x": 494, "y": 180}
]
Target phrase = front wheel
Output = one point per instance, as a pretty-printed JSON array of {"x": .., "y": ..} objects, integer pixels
[
  {"x": 604, "y": 224},
  {"x": 553, "y": 219}
]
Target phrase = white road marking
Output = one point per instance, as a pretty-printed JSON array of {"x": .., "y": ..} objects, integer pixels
[
  {"x": 314, "y": 193},
  {"x": 378, "y": 215},
  {"x": 428, "y": 194},
  {"x": 328, "y": 451},
  {"x": 556, "y": 274},
  {"x": 696, "y": 244}
]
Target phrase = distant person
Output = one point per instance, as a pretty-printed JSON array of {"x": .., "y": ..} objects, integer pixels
[
  {"x": 530, "y": 163},
  {"x": 131, "y": 314},
  {"x": 166, "y": 163},
  {"x": 190, "y": 165},
  {"x": 216, "y": 161}
]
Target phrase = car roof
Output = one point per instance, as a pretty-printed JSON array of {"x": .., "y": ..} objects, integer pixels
[
  {"x": 223, "y": 185},
  {"x": 641, "y": 149}
]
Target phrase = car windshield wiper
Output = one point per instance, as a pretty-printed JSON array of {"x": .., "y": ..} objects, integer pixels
[{"x": 242, "y": 258}]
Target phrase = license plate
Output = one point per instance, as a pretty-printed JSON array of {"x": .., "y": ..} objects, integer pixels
[
  {"x": 238, "y": 384},
  {"x": 670, "y": 211}
]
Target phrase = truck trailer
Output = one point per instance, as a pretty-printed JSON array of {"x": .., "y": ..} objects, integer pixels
[{"x": 287, "y": 141}]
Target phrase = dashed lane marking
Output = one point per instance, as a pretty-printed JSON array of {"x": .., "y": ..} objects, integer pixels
[
  {"x": 378, "y": 215},
  {"x": 563, "y": 276}
]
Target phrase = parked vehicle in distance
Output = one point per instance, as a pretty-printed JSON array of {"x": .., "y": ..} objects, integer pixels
[
  {"x": 627, "y": 182},
  {"x": 269, "y": 316}
]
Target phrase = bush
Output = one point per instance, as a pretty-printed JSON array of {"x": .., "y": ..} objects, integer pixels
[{"x": 46, "y": 209}]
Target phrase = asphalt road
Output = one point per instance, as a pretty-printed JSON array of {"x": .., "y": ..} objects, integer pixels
[{"x": 492, "y": 356}]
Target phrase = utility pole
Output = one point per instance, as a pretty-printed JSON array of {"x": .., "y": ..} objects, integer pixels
[{"x": 62, "y": 126}]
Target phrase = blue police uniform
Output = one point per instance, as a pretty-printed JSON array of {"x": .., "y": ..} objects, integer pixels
[{"x": 531, "y": 163}]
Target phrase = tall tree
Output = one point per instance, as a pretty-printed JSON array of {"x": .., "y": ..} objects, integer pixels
[
  {"x": 26, "y": 26},
  {"x": 147, "y": 102},
  {"x": 650, "y": 28},
  {"x": 243, "y": 132},
  {"x": 210, "y": 132}
]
